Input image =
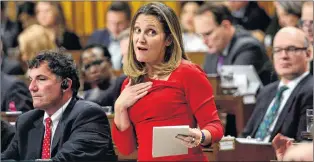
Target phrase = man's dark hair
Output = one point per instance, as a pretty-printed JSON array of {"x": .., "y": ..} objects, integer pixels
[
  {"x": 102, "y": 47},
  {"x": 60, "y": 64},
  {"x": 26, "y": 7},
  {"x": 220, "y": 12},
  {"x": 121, "y": 6}
]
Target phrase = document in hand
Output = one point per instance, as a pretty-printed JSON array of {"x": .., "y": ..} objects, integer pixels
[{"x": 165, "y": 142}]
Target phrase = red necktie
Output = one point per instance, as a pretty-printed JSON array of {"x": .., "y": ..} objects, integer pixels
[{"x": 45, "y": 153}]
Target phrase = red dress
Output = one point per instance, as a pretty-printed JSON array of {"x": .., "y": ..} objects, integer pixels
[{"x": 186, "y": 98}]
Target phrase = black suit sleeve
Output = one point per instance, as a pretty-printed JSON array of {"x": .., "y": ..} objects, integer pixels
[
  {"x": 90, "y": 139},
  {"x": 20, "y": 95},
  {"x": 12, "y": 151},
  {"x": 7, "y": 133}
]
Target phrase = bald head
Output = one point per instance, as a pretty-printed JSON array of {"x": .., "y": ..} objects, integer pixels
[
  {"x": 291, "y": 53},
  {"x": 295, "y": 35}
]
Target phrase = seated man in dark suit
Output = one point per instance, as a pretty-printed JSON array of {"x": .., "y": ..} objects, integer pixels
[
  {"x": 281, "y": 106},
  {"x": 118, "y": 19},
  {"x": 62, "y": 127},
  {"x": 228, "y": 44},
  {"x": 14, "y": 94}
]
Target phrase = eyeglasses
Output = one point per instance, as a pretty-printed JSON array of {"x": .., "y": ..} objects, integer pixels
[
  {"x": 306, "y": 23},
  {"x": 290, "y": 50},
  {"x": 96, "y": 62}
]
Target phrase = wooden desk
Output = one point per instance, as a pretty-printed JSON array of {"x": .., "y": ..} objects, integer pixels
[
  {"x": 247, "y": 152},
  {"x": 234, "y": 105},
  {"x": 9, "y": 117}
]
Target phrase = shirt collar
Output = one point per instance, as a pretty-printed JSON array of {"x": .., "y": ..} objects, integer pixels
[
  {"x": 57, "y": 115},
  {"x": 293, "y": 83},
  {"x": 226, "y": 49}
]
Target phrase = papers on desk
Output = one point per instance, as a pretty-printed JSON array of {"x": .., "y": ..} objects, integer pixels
[
  {"x": 13, "y": 112},
  {"x": 251, "y": 141},
  {"x": 165, "y": 142}
]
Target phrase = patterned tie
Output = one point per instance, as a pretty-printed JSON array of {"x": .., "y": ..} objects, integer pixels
[
  {"x": 269, "y": 118},
  {"x": 45, "y": 153}
]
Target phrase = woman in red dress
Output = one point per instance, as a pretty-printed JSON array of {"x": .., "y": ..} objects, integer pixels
[{"x": 163, "y": 88}]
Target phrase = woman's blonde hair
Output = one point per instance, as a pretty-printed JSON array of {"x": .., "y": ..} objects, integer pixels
[
  {"x": 60, "y": 20},
  {"x": 174, "y": 53},
  {"x": 34, "y": 39}
]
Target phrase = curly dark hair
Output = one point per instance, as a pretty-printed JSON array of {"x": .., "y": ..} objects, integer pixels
[{"x": 60, "y": 64}]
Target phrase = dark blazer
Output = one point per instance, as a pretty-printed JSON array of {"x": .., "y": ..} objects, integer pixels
[
  {"x": 70, "y": 41},
  {"x": 82, "y": 134},
  {"x": 255, "y": 18},
  {"x": 7, "y": 133},
  {"x": 292, "y": 120},
  {"x": 11, "y": 67},
  {"x": 244, "y": 49},
  {"x": 13, "y": 89},
  {"x": 100, "y": 37}
]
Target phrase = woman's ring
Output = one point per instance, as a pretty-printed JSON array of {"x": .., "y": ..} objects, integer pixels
[{"x": 193, "y": 140}]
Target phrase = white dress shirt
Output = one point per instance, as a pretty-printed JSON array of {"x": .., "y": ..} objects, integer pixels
[
  {"x": 55, "y": 118},
  {"x": 284, "y": 98}
]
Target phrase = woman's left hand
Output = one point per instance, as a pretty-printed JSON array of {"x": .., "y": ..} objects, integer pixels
[{"x": 192, "y": 139}]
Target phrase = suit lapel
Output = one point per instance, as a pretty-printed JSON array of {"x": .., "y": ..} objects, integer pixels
[
  {"x": 287, "y": 107},
  {"x": 36, "y": 135},
  {"x": 60, "y": 130},
  {"x": 264, "y": 107}
]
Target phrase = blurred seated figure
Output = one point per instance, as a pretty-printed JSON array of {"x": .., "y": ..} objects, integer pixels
[
  {"x": 288, "y": 14},
  {"x": 9, "y": 29},
  {"x": 33, "y": 40},
  {"x": 97, "y": 74},
  {"x": 281, "y": 106},
  {"x": 7, "y": 134},
  {"x": 286, "y": 151},
  {"x": 249, "y": 15},
  {"x": 306, "y": 24},
  {"x": 50, "y": 15},
  {"x": 192, "y": 42},
  {"x": 118, "y": 18},
  {"x": 26, "y": 14},
  {"x": 15, "y": 95},
  {"x": 9, "y": 66}
]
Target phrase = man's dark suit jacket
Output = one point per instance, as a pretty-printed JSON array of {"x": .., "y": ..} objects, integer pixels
[
  {"x": 292, "y": 120},
  {"x": 100, "y": 37},
  {"x": 255, "y": 18},
  {"x": 11, "y": 67},
  {"x": 15, "y": 90},
  {"x": 7, "y": 134},
  {"x": 82, "y": 134},
  {"x": 244, "y": 49}
]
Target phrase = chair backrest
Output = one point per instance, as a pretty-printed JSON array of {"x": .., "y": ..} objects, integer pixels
[
  {"x": 76, "y": 54},
  {"x": 197, "y": 57}
]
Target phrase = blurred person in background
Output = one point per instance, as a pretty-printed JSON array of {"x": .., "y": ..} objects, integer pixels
[
  {"x": 191, "y": 41},
  {"x": 288, "y": 14},
  {"x": 26, "y": 15},
  {"x": 9, "y": 29},
  {"x": 97, "y": 74},
  {"x": 249, "y": 15},
  {"x": 33, "y": 40},
  {"x": 50, "y": 15},
  {"x": 118, "y": 19},
  {"x": 306, "y": 24}
]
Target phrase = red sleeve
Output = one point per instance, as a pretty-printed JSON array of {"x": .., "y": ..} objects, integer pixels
[
  {"x": 124, "y": 140},
  {"x": 199, "y": 94}
]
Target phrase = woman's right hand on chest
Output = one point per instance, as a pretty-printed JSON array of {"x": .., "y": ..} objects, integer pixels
[{"x": 131, "y": 94}]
